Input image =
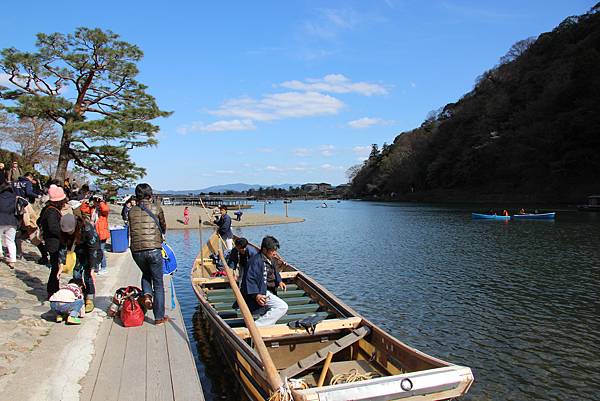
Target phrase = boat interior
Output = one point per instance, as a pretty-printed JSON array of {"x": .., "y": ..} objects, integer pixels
[{"x": 342, "y": 348}]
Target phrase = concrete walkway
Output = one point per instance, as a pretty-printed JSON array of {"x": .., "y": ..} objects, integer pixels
[{"x": 61, "y": 356}]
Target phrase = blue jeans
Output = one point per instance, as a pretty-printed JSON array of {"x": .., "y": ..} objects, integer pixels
[
  {"x": 71, "y": 308},
  {"x": 150, "y": 263},
  {"x": 103, "y": 251}
]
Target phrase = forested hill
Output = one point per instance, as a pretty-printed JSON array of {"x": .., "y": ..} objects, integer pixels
[{"x": 528, "y": 131}]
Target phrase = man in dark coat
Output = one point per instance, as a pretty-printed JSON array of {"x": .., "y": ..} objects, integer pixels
[
  {"x": 224, "y": 224},
  {"x": 254, "y": 284}
]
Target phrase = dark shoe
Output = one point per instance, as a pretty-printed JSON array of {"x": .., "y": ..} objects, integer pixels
[
  {"x": 43, "y": 261},
  {"x": 163, "y": 320},
  {"x": 148, "y": 301}
]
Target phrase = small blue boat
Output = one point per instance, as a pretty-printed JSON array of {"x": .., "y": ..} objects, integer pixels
[
  {"x": 481, "y": 216},
  {"x": 535, "y": 216}
]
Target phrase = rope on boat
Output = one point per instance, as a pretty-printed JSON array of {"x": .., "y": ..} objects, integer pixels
[{"x": 352, "y": 376}]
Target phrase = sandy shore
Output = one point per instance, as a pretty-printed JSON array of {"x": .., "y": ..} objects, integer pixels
[{"x": 174, "y": 217}]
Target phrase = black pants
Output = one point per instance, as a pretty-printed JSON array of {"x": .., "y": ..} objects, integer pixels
[{"x": 53, "y": 283}]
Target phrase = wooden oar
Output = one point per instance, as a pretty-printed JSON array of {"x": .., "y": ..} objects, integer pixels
[
  {"x": 273, "y": 377},
  {"x": 201, "y": 243}
]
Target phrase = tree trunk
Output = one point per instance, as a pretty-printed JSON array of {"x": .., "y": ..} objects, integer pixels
[{"x": 64, "y": 155}]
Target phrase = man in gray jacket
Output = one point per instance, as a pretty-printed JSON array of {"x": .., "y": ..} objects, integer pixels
[{"x": 147, "y": 227}]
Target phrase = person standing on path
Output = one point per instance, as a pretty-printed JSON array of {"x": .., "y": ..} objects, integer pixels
[
  {"x": 49, "y": 223},
  {"x": 81, "y": 236},
  {"x": 14, "y": 173},
  {"x": 8, "y": 222},
  {"x": 146, "y": 230},
  {"x": 98, "y": 210},
  {"x": 224, "y": 223}
]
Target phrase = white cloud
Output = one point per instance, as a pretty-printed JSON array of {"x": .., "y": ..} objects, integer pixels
[
  {"x": 362, "y": 151},
  {"x": 329, "y": 23},
  {"x": 367, "y": 122},
  {"x": 218, "y": 126},
  {"x": 280, "y": 106},
  {"x": 327, "y": 150},
  {"x": 302, "y": 152},
  {"x": 330, "y": 167},
  {"x": 225, "y": 172},
  {"x": 272, "y": 168},
  {"x": 266, "y": 150},
  {"x": 336, "y": 83}
]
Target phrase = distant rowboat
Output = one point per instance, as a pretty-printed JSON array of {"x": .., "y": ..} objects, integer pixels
[
  {"x": 481, "y": 216},
  {"x": 535, "y": 216}
]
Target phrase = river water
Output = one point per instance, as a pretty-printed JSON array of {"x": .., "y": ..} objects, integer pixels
[{"x": 516, "y": 301}]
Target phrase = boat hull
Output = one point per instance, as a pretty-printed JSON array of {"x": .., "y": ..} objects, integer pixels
[
  {"x": 481, "y": 216},
  {"x": 537, "y": 216}
]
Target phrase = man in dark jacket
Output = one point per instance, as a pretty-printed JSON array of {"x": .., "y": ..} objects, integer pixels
[
  {"x": 224, "y": 224},
  {"x": 24, "y": 188},
  {"x": 146, "y": 229},
  {"x": 254, "y": 284},
  {"x": 239, "y": 256}
]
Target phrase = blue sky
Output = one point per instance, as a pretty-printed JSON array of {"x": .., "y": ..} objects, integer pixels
[{"x": 271, "y": 92}]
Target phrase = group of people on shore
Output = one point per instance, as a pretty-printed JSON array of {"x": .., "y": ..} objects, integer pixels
[{"x": 62, "y": 221}]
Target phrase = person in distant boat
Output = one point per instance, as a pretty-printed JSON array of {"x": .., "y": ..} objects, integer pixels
[
  {"x": 522, "y": 211},
  {"x": 224, "y": 223},
  {"x": 239, "y": 256},
  {"x": 254, "y": 284}
]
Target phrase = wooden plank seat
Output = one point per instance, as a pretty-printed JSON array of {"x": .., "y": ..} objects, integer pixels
[
  {"x": 239, "y": 322},
  {"x": 283, "y": 330},
  {"x": 280, "y": 294},
  {"x": 295, "y": 309},
  {"x": 225, "y": 291},
  {"x": 223, "y": 306}
]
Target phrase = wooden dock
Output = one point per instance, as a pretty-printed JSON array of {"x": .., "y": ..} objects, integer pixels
[{"x": 149, "y": 362}]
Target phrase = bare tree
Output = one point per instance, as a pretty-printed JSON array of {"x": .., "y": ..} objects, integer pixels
[{"x": 33, "y": 138}]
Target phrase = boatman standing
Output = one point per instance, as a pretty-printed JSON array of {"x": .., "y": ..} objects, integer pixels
[
  {"x": 224, "y": 223},
  {"x": 254, "y": 284}
]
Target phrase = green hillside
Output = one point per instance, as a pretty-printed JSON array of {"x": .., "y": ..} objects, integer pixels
[{"x": 528, "y": 131}]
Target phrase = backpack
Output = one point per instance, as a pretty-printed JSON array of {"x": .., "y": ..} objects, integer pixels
[
  {"x": 20, "y": 205},
  {"x": 132, "y": 314}
]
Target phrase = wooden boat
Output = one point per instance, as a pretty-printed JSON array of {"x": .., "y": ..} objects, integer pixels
[
  {"x": 535, "y": 216},
  {"x": 390, "y": 369},
  {"x": 482, "y": 216}
]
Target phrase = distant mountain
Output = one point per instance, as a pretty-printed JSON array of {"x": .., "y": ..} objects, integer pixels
[{"x": 237, "y": 187}]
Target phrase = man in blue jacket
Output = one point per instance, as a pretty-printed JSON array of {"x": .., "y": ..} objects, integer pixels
[
  {"x": 24, "y": 188},
  {"x": 224, "y": 224},
  {"x": 254, "y": 284},
  {"x": 239, "y": 256}
]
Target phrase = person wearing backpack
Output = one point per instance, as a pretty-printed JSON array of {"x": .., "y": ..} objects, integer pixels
[
  {"x": 8, "y": 222},
  {"x": 98, "y": 210},
  {"x": 146, "y": 229},
  {"x": 49, "y": 223},
  {"x": 80, "y": 235},
  {"x": 24, "y": 188}
]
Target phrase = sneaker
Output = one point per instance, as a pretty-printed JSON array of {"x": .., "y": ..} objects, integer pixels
[
  {"x": 102, "y": 272},
  {"x": 59, "y": 318},
  {"x": 43, "y": 261},
  {"x": 89, "y": 305},
  {"x": 11, "y": 265},
  {"x": 73, "y": 320}
]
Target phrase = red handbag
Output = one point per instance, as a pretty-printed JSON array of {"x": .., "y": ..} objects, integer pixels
[{"x": 132, "y": 314}]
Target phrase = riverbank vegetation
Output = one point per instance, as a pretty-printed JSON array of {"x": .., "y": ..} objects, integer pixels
[{"x": 528, "y": 131}]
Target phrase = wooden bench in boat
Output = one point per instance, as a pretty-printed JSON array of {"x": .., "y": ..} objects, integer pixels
[
  {"x": 281, "y": 330},
  {"x": 226, "y": 306},
  {"x": 238, "y": 322},
  {"x": 224, "y": 280}
]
